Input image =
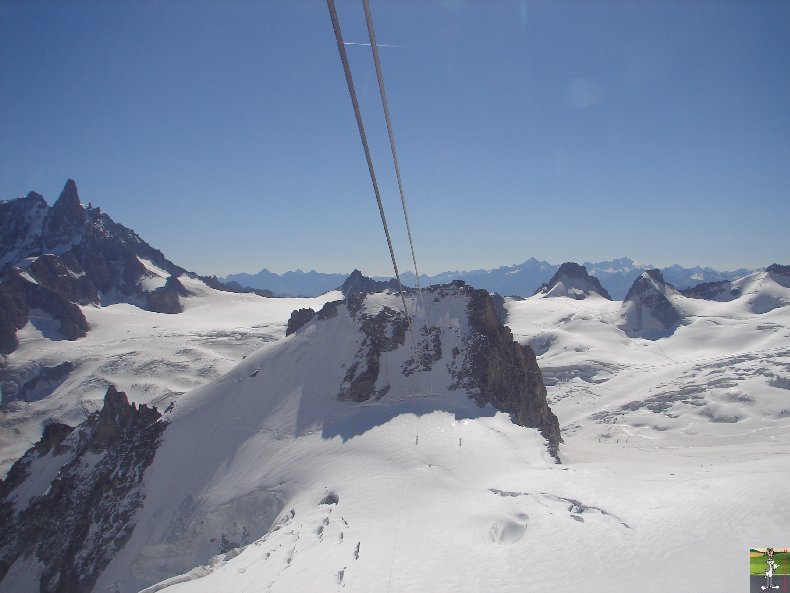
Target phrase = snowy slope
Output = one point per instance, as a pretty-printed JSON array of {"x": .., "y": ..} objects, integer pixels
[
  {"x": 274, "y": 435},
  {"x": 675, "y": 458},
  {"x": 153, "y": 357},
  {"x": 659, "y": 490},
  {"x": 722, "y": 376}
]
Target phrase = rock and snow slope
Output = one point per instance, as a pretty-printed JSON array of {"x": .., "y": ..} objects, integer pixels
[
  {"x": 153, "y": 357},
  {"x": 675, "y": 460},
  {"x": 572, "y": 280},
  {"x": 55, "y": 258},
  {"x": 323, "y": 410},
  {"x": 721, "y": 377},
  {"x": 649, "y": 310}
]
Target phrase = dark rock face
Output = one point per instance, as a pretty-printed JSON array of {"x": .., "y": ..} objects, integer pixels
[
  {"x": 648, "y": 298},
  {"x": 573, "y": 276},
  {"x": 780, "y": 274},
  {"x": 51, "y": 272},
  {"x": 65, "y": 220},
  {"x": 75, "y": 527},
  {"x": 165, "y": 299},
  {"x": 504, "y": 373},
  {"x": 109, "y": 252},
  {"x": 18, "y": 296},
  {"x": 20, "y": 226},
  {"x": 13, "y": 314},
  {"x": 489, "y": 364},
  {"x": 298, "y": 319},
  {"x": 429, "y": 351},
  {"x": 778, "y": 269},
  {"x": 232, "y": 286},
  {"x": 52, "y": 439},
  {"x": 712, "y": 291},
  {"x": 384, "y": 332},
  {"x": 329, "y": 310},
  {"x": 357, "y": 283}
]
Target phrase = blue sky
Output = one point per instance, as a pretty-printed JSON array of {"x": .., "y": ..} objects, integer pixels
[{"x": 222, "y": 132}]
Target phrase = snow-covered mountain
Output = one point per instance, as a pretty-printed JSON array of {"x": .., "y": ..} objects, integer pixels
[
  {"x": 253, "y": 446},
  {"x": 759, "y": 288},
  {"x": 572, "y": 280},
  {"x": 81, "y": 307},
  {"x": 53, "y": 259},
  {"x": 300, "y": 489},
  {"x": 346, "y": 457},
  {"x": 523, "y": 279},
  {"x": 648, "y": 308},
  {"x": 155, "y": 358}
]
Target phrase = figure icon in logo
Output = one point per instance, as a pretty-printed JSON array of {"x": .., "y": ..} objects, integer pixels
[{"x": 771, "y": 566}]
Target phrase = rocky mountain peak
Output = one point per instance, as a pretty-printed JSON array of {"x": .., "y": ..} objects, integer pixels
[
  {"x": 649, "y": 281},
  {"x": 69, "y": 198},
  {"x": 572, "y": 280},
  {"x": 655, "y": 275},
  {"x": 359, "y": 283},
  {"x": 66, "y": 218},
  {"x": 648, "y": 308},
  {"x": 778, "y": 269},
  {"x": 712, "y": 291},
  {"x": 780, "y": 274},
  {"x": 34, "y": 198},
  {"x": 51, "y": 257}
]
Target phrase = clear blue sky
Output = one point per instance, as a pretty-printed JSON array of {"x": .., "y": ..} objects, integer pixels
[{"x": 222, "y": 132}]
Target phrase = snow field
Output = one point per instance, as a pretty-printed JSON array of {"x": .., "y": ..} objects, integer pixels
[{"x": 153, "y": 357}]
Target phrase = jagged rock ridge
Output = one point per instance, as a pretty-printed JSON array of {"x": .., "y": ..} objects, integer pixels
[
  {"x": 70, "y": 253},
  {"x": 572, "y": 280},
  {"x": 505, "y": 373},
  {"x": 358, "y": 283},
  {"x": 71, "y": 528},
  {"x": 489, "y": 365},
  {"x": 349, "y": 370}
]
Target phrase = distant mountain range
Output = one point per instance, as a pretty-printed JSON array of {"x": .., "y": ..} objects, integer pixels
[
  {"x": 296, "y": 283},
  {"x": 523, "y": 279}
]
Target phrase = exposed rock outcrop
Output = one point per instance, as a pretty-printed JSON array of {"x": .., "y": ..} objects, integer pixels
[
  {"x": 358, "y": 283},
  {"x": 504, "y": 373},
  {"x": 65, "y": 221},
  {"x": 384, "y": 332},
  {"x": 778, "y": 269},
  {"x": 780, "y": 274},
  {"x": 298, "y": 319},
  {"x": 166, "y": 298},
  {"x": 71, "y": 282},
  {"x": 72, "y": 527},
  {"x": 19, "y": 296},
  {"x": 648, "y": 310},
  {"x": 572, "y": 280},
  {"x": 713, "y": 291},
  {"x": 233, "y": 286},
  {"x": 488, "y": 364},
  {"x": 21, "y": 224}
]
